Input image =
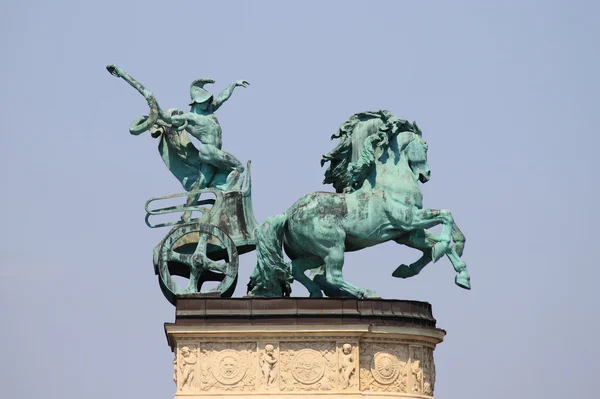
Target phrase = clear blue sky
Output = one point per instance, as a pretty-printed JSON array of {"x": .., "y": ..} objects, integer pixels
[{"x": 506, "y": 93}]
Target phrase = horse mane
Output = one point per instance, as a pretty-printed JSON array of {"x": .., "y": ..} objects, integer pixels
[{"x": 343, "y": 172}]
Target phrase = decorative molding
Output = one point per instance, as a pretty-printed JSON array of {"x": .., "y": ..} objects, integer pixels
[
  {"x": 308, "y": 366},
  {"x": 228, "y": 366},
  {"x": 383, "y": 367},
  {"x": 334, "y": 364}
]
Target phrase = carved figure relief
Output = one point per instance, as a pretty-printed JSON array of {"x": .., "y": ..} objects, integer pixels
[
  {"x": 175, "y": 370},
  {"x": 228, "y": 366},
  {"x": 187, "y": 368},
  {"x": 348, "y": 362},
  {"x": 304, "y": 365},
  {"x": 416, "y": 358},
  {"x": 268, "y": 366},
  {"x": 428, "y": 372},
  {"x": 304, "y": 369},
  {"x": 383, "y": 367}
]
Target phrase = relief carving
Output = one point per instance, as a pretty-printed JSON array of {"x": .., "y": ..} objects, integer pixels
[
  {"x": 428, "y": 372},
  {"x": 309, "y": 366},
  {"x": 175, "y": 369},
  {"x": 228, "y": 366},
  {"x": 416, "y": 359},
  {"x": 186, "y": 361},
  {"x": 383, "y": 367},
  {"x": 303, "y": 365},
  {"x": 268, "y": 366},
  {"x": 348, "y": 361}
]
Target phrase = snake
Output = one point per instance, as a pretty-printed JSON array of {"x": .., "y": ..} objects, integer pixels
[{"x": 157, "y": 115}]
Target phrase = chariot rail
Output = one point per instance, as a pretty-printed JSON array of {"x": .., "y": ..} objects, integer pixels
[{"x": 197, "y": 207}]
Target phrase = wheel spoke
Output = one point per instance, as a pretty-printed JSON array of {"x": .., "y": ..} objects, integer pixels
[
  {"x": 210, "y": 264},
  {"x": 198, "y": 262},
  {"x": 185, "y": 259},
  {"x": 202, "y": 241}
]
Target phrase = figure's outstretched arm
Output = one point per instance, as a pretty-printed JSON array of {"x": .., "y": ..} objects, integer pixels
[{"x": 225, "y": 94}]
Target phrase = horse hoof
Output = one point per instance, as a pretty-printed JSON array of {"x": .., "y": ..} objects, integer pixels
[
  {"x": 403, "y": 271},
  {"x": 369, "y": 294},
  {"x": 463, "y": 281}
]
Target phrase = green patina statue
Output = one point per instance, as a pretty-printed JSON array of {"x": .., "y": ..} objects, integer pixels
[
  {"x": 195, "y": 168},
  {"x": 203, "y": 245},
  {"x": 375, "y": 169}
]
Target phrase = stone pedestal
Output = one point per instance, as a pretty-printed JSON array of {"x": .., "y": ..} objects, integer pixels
[{"x": 303, "y": 348}]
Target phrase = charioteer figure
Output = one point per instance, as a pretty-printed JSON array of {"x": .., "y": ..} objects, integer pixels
[
  {"x": 202, "y": 124},
  {"x": 210, "y": 230},
  {"x": 196, "y": 168}
]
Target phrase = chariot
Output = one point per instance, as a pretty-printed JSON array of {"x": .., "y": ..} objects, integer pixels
[
  {"x": 375, "y": 168},
  {"x": 206, "y": 247}
]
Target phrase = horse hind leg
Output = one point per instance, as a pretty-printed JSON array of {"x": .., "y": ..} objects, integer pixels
[
  {"x": 318, "y": 276},
  {"x": 301, "y": 265},
  {"x": 334, "y": 282}
]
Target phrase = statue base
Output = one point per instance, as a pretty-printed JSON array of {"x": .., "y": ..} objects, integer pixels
[{"x": 303, "y": 347}]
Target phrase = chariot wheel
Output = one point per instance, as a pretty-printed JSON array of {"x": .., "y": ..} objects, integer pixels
[{"x": 194, "y": 251}]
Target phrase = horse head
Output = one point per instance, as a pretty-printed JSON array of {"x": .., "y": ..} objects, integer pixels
[{"x": 416, "y": 154}]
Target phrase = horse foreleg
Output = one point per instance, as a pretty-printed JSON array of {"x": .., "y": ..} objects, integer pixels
[
  {"x": 424, "y": 241},
  {"x": 421, "y": 240},
  {"x": 463, "y": 279},
  {"x": 427, "y": 218},
  {"x": 459, "y": 240}
]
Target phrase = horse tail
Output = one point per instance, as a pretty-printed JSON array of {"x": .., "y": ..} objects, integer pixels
[
  {"x": 459, "y": 239},
  {"x": 272, "y": 274}
]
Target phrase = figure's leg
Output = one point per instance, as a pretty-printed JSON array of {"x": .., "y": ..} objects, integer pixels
[
  {"x": 299, "y": 266},
  {"x": 219, "y": 158},
  {"x": 224, "y": 162},
  {"x": 191, "y": 199},
  {"x": 205, "y": 175}
]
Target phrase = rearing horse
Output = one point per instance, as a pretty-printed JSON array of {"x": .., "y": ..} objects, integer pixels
[{"x": 375, "y": 169}]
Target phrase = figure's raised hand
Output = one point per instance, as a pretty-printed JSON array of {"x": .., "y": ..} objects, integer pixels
[{"x": 242, "y": 83}]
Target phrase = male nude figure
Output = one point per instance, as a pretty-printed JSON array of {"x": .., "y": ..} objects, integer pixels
[
  {"x": 347, "y": 365},
  {"x": 204, "y": 126},
  {"x": 187, "y": 367},
  {"x": 268, "y": 362}
]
